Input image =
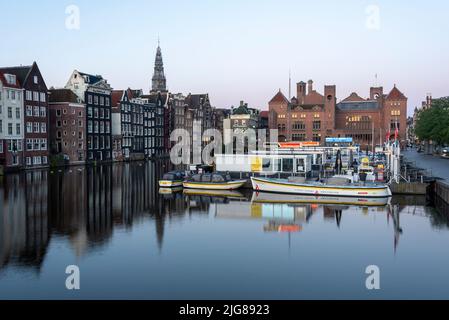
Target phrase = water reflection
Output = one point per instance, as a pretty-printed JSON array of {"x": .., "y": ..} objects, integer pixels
[{"x": 86, "y": 206}]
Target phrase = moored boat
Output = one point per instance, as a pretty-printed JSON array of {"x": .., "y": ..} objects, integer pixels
[
  {"x": 172, "y": 179},
  {"x": 320, "y": 189},
  {"x": 214, "y": 181}
]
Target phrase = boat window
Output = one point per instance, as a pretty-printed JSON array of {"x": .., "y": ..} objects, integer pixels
[
  {"x": 300, "y": 165},
  {"x": 168, "y": 176},
  {"x": 266, "y": 164},
  {"x": 287, "y": 165},
  {"x": 228, "y": 177},
  {"x": 217, "y": 178},
  {"x": 196, "y": 178},
  {"x": 206, "y": 178}
]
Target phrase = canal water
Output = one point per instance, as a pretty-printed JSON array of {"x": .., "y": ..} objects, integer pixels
[{"x": 131, "y": 242}]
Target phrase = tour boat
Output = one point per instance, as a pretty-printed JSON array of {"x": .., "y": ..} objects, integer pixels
[
  {"x": 214, "y": 181},
  {"x": 320, "y": 189},
  {"x": 274, "y": 198},
  {"x": 172, "y": 179}
]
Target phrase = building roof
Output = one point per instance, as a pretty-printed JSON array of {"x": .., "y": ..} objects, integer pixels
[
  {"x": 91, "y": 79},
  {"x": 117, "y": 96},
  {"x": 6, "y": 84},
  {"x": 20, "y": 72},
  {"x": 358, "y": 105},
  {"x": 353, "y": 97},
  {"x": 63, "y": 95},
  {"x": 313, "y": 98},
  {"x": 395, "y": 94},
  {"x": 264, "y": 114},
  {"x": 279, "y": 98},
  {"x": 196, "y": 100}
]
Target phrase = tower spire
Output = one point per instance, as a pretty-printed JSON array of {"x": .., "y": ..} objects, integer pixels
[{"x": 159, "y": 82}]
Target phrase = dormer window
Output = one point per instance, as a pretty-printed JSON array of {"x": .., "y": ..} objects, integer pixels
[
  {"x": 10, "y": 79},
  {"x": 35, "y": 79}
]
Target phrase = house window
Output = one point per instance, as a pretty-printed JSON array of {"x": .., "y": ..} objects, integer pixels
[
  {"x": 36, "y": 144},
  {"x": 29, "y": 111},
  {"x": 316, "y": 137},
  {"x": 316, "y": 125},
  {"x": 36, "y": 111},
  {"x": 17, "y": 113},
  {"x": 89, "y": 99},
  {"x": 43, "y": 127},
  {"x": 28, "y": 161},
  {"x": 35, "y": 80},
  {"x": 36, "y": 96},
  {"x": 36, "y": 127},
  {"x": 101, "y": 101},
  {"x": 18, "y": 129},
  {"x": 107, "y": 102},
  {"x": 9, "y": 112},
  {"x": 44, "y": 160},
  {"x": 43, "y": 98},
  {"x": 1, "y": 146},
  {"x": 96, "y": 100},
  {"x": 10, "y": 128},
  {"x": 43, "y": 112},
  {"x": 29, "y": 127},
  {"x": 299, "y": 125},
  {"x": 29, "y": 95},
  {"x": 44, "y": 144},
  {"x": 29, "y": 144}
]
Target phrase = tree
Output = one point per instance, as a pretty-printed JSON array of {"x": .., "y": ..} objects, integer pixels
[{"x": 433, "y": 123}]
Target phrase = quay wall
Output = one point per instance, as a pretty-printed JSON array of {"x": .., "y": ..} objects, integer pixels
[
  {"x": 415, "y": 188},
  {"x": 442, "y": 190}
]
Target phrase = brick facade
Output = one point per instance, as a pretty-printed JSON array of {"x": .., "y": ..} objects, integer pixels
[{"x": 312, "y": 116}]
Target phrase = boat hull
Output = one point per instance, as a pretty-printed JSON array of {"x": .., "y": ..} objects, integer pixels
[
  {"x": 267, "y": 197},
  {"x": 170, "y": 184},
  {"x": 231, "y": 185},
  {"x": 281, "y": 186}
]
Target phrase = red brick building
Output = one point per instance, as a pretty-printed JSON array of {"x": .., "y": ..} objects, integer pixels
[
  {"x": 67, "y": 125},
  {"x": 312, "y": 116}
]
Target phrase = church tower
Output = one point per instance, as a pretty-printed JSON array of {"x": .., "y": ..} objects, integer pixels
[{"x": 159, "y": 83}]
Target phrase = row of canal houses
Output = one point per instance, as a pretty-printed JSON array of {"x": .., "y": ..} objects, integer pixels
[{"x": 84, "y": 122}]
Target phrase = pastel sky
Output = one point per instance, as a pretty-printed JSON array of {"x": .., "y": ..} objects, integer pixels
[{"x": 235, "y": 49}]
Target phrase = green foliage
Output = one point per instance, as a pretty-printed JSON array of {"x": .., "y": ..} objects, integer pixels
[{"x": 433, "y": 123}]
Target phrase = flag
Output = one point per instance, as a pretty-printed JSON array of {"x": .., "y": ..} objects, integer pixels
[
  {"x": 396, "y": 134},
  {"x": 387, "y": 138}
]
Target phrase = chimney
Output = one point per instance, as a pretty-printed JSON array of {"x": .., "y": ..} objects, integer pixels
[
  {"x": 301, "y": 91},
  {"x": 310, "y": 86}
]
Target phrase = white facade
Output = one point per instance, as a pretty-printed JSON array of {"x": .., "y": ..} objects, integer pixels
[{"x": 11, "y": 119}]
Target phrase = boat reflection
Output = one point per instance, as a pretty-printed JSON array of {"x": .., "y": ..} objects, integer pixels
[{"x": 291, "y": 198}]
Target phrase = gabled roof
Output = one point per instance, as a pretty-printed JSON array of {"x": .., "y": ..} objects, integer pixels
[
  {"x": 353, "y": 97},
  {"x": 279, "y": 98},
  {"x": 313, "y": 98},
  {"x": 63, "y": 95},
  {"x": 395, "y": 94},
  {"x": 117, "y": 96}
]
